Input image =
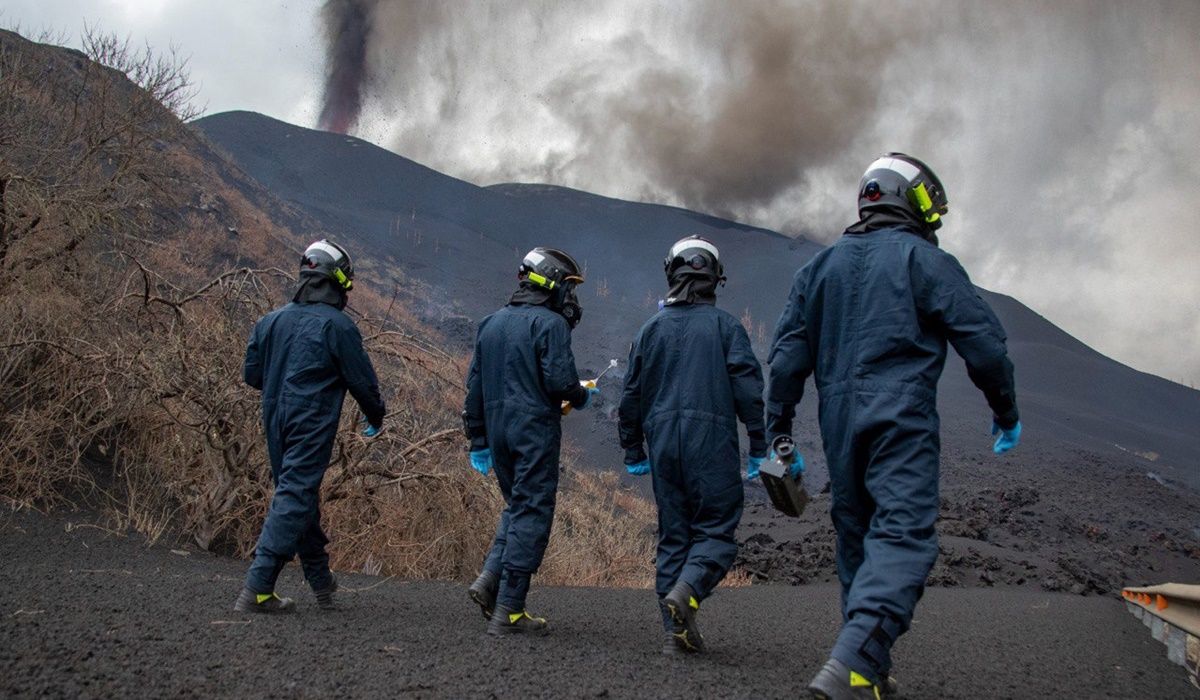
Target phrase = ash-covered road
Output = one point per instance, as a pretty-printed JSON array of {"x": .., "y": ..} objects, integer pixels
[{"x": 87, "y": 614}]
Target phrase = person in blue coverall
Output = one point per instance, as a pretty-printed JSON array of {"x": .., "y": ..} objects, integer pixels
[
  {"x": 692, "y": 374},
  {"x": 870, "y": 317},
  {"x": 303, "y": 357},
  {"x": 521, "y": 376}
]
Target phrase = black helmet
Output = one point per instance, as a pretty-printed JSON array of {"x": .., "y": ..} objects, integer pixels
[
  {"x": 331, "y": 260},
  {"x": 556, "y": 273},
  {"x": 899, "y": 181},
  {"x": 693, "y": 257}
]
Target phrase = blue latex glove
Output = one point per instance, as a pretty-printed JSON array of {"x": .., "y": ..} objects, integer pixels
[
  {"x": 1008, "y": 439},
  {"x": 591, "y": 391},
  {"x": 797, "y": 467},
  {"x": 752, "y": 466},
  {"x": 639, "y": 469},
  {"x": 371, "y": 431},
  {"x": 481, "y": 460}
]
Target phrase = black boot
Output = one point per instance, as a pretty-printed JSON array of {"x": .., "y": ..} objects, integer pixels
[
  {"x": 250, "y": 602},
  {"x": 505, "y": 621},
  {"x": 670, "y": 647},
  {"x": 835, "y": 681},
  {"x": 483, "y": 592},
  {"x": 888, "y": 687},
  {"x": 683, "y": 605},
  {"x": 325, "y": 595}
]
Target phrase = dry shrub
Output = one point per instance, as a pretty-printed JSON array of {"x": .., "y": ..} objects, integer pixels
[
  {"x": 603, "y": 535},
  {"x": 158, "y": 399},
  {"x": 407, "y": 504},
  {"x": 438, "y": 524},
  {"x": 737, "y": 578},
  {"x": 123, "y": 318}
]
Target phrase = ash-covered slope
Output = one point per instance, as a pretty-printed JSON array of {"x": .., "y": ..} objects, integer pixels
[{"x": 459, "y": 244}]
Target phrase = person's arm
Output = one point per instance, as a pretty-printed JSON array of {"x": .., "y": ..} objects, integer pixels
[
  {"x": 947, "y": 298},
  {"x": 790, "y": 362},
  {"x": 629, "y": 426},
  {"x": 346, "y": 346},
  {"x": 745, "y": 376},
  {"x": 559, "y": 375},
  {"x": 473, "y": 417},
  {"x": 252, "y": 371}
]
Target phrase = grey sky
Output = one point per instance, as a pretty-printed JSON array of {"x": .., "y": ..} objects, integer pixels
[{"x": 1068, "y": 134}]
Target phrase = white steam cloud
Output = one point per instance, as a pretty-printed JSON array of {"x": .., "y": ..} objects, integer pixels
[{"x": 1067, "y": 134}]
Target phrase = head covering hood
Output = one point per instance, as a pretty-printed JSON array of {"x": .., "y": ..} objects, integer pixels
[
  {"x": 892, "y": 217},
  {"x": 531, "y": 295},
  {"x": 315, "y": 288},
  {"x": 692, "y": 289}
]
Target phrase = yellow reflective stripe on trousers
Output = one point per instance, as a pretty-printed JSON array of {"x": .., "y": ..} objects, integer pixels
[{"x": 857, "y": 680}]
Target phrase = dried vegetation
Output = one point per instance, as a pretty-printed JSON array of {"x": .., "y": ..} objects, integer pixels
[{"x": 133, "y": 261}]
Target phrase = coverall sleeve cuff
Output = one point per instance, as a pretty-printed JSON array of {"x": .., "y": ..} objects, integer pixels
[
  {"x": 578, "y": 397},
  {"x": 1008, "y": 420},
  {"x": 375, "y": 417},
  {"x": 777, "y": 428},
  {"x": 758, "y": 446},
  {"x": 633, "y": 455},
  {"x": 479, "y": 442}
]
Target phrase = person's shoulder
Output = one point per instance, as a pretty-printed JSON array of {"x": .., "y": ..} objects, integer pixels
[
  {"x": 932, "y": 255},
  {"x": 536, "y": 316},
  {"x": 724, "y": 316},
  {"x": 498, "y": 313},
  {"x": 701, "y": 314},
  {"x": 282, "y": 313},
  {"x": 730, "y": 325},
  {"x": 549, "y": 319},
  {"x": 655, "y": 319},
  {"x": 818, "y": 258},
  {"x": 330, "y": 317},
  {"x": 285, "y": 310},
  {"x": 333, "y": 313}
]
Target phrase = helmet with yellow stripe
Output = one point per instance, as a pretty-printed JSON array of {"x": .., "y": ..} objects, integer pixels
[
  {"x": 900, "y": 181},
  {"x": 556, "y": 273},
  {"x": 331, "y": 260}
]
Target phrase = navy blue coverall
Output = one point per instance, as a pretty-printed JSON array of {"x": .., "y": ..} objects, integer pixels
[
  {"x": 303, "y": 357},
  {"x": 692, "y": 374},
  {"x": 522, "y": 371},
  {"x": 870, "y": 316}
]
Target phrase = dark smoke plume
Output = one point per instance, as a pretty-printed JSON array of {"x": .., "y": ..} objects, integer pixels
[
  {"x": 1067, "y": 133},
  {"x": 347, "y": 30}
]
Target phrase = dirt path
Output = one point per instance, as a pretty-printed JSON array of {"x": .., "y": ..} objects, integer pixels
[{"x": 84, "y": 613}]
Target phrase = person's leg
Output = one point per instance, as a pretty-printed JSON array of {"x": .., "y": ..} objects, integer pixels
[
  {"x": 534, "y": 492},
  {"x": 313, "y": 557},
  {"x": 851, "y": 506},
  {"x": 502, "y": 464},
  {"x": 670, "y": 495},
  {"x": 850, "y": 510},
  {"x": 293, "y": 505},
  {"x": 486, "y": 586},
  {"x": 713, "y": 531},
  {"x": 710, "y": 479},
  {"x": 900, "y": 547},
  {"x": 264, "y": 571}
]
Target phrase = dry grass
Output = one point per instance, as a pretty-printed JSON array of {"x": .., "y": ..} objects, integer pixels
[{"x": 132, "y": 276}]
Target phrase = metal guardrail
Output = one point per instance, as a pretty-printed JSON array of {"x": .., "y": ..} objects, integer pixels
[{"x": 1172, "y": 612}]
